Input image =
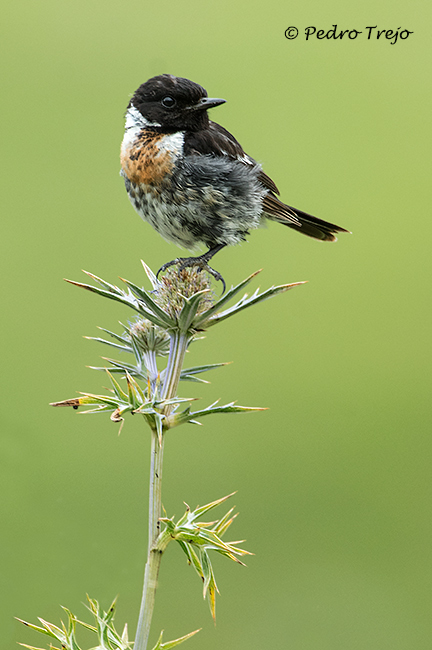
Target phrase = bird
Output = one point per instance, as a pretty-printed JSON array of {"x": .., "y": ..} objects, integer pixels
[{"x": 190, "y": 179}]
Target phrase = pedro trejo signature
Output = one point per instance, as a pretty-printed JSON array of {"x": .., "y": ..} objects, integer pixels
[{"x": 371, "y": 32}]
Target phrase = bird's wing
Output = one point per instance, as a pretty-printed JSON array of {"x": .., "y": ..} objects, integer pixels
[
  {"x": 217, "y": 141},
  {"x": 221, "y": 142}
]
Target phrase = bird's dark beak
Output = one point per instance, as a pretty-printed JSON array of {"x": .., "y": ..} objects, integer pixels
[{"x": 207, "y": 102}]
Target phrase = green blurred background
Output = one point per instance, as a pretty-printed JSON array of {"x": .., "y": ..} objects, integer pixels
[{"x": 334, "y": 481}]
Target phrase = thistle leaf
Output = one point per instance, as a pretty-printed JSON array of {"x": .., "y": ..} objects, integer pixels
[
  {"x": 171, "y": 644},
  {"x": 189, "y": 310},
  {"x": 117, "y": 370},
  {"x": 196, "y": 562},
  {"x": 126, "y": 367},
  {"x": 88, "y": 398},
  {"x": 225, "y": 523},
  {"x": 210, "y": 585},
  {"x": 132, "y": 394},
  {"x": 117, "y": 388},
  {"x": 176, "y": 419},
  {"x": 247, "y": 301},
  {"x": 103, "y": 283},
  {"x": 198, "y": 512},
  {"x": 196, "y": 370},
  {"x": 34, "y": 627},
  {"x": 138, "y": 393},
  {"x": 126, "y": 299},
  {"x": 151, "y": 276},
  {"x": 192, "y": 378},
  {"x": 118, "y": 337},
  {"x": 223, "y": 300},
  {"x": 207, "y": 571},
  {"x": 143, "y": 296},
  {"x": 123, "y": 348},
  {"x": 120, "y": 296}
]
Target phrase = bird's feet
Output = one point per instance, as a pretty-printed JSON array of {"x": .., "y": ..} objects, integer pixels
[{"x": 201, "y": 262}]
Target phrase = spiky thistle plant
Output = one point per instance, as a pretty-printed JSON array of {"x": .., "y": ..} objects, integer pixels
[{"x": 174, "y": 313}]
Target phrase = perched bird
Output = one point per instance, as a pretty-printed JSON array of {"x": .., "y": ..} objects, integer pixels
[{"x": 190, "y": 178}]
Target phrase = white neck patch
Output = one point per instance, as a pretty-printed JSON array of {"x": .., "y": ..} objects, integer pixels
[
  {"x": 135, "y": 122},
  {"x": 172, "y": 142},
  {"x": 134, "y": 119}
]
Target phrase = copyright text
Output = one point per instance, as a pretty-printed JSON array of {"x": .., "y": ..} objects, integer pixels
[{"x": 369, "y": 33}]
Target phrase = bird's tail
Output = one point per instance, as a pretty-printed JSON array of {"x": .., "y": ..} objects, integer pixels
[
  {"x": 299, "y": 220},
  {"x": 314, "y": 227}
]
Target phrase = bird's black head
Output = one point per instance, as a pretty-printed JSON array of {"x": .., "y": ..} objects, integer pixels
[{"x": 173, "y": 103}]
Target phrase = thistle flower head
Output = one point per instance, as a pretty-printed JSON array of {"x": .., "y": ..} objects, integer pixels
[
  {"x": 177, "y": 286},
  {"x": 148, "y": 337}
]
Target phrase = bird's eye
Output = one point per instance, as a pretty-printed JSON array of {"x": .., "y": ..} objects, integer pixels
[{"x": 168, "y": 102}]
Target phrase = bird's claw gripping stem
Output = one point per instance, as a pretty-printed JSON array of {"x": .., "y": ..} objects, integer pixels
[{"x": 187, "y": 262}]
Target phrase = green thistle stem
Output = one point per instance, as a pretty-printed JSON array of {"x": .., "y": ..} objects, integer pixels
[
  {"x": 178, "y": 346},
  {"x": 151, "y": 365}
]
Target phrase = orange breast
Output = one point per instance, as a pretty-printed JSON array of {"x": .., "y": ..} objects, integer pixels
[{"x": 143, "y": 162}]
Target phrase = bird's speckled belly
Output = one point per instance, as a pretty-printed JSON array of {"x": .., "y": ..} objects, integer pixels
[{"x": 194, "y": 200}]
